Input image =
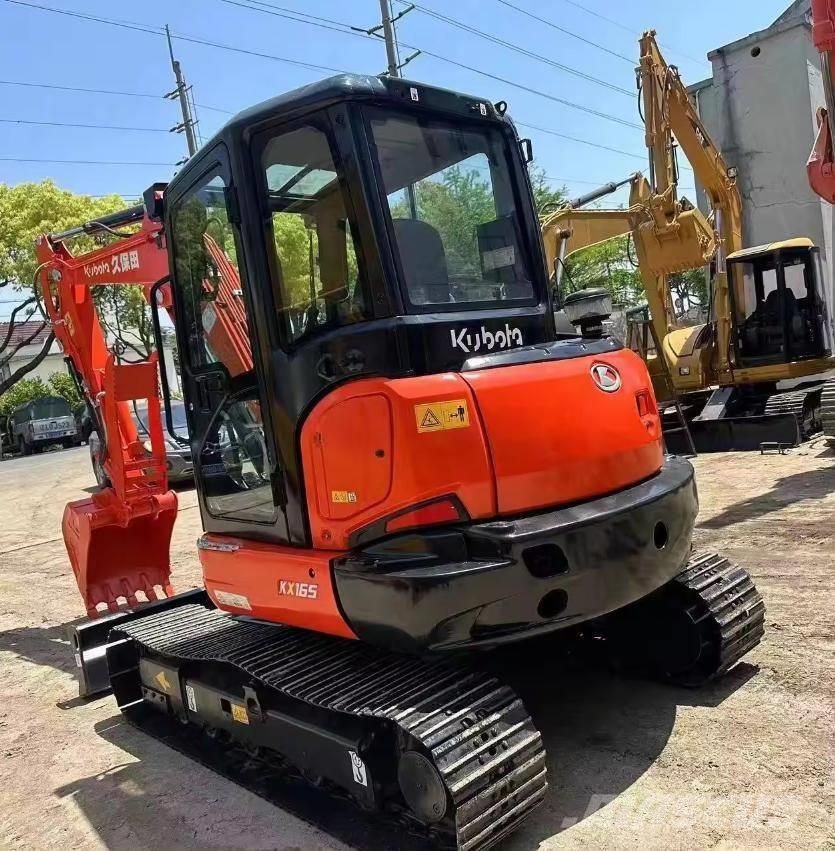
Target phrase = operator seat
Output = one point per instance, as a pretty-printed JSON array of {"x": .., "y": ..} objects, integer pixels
[{"x": 423, "y": 259}]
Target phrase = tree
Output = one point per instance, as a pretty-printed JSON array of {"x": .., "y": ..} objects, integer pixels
[
  {"x": 26, "y": 211},
  {"x": 607, "y": 265},
  {"x": 545, "y": 196},
  {"x": 64, "y": 386},
  {"x": 24, "y": 391}
]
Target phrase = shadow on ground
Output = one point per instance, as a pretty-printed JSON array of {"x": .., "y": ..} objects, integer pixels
[
  {"x": 602, "y": 731},
  {"x": 43, "y": 645},
  {"x": 799, "y": 487}
]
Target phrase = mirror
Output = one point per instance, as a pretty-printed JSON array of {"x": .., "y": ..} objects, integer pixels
[{"x": 526, "y": 147}]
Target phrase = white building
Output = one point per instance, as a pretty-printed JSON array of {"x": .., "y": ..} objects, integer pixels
[
  {"x": 22, "y": 331},
  {"x": 759, "y": 106}
]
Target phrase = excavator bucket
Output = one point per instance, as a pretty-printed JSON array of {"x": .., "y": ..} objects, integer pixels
[
  {"x": 687, "y": 244},
  {"x": 118, "y": 539},
  {"x": 116, "y": 556},
  {"x": 819, "y": 166}
]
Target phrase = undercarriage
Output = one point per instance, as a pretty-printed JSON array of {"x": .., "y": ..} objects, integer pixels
[{"x": 437, "y": 744}]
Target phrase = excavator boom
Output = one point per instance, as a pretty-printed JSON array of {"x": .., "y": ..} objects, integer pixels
[{"x": 820, "y": 165}]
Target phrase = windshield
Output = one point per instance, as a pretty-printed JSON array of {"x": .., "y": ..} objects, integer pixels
[
  {"x": 451, "y": 199},
  {"x": 178, "y": 416},
  {"x": 49, "y": 408}
]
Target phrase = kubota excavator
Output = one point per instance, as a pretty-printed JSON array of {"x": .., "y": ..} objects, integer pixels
[
  {"x": 769, "y": 321},
  {"x": 819, "y": 166},
  {"x": 400, "y": 465}
]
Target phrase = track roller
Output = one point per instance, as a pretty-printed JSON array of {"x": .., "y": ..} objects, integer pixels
[
  {"x": 693, "y": 629},
  {"x": 827, "y": 415},
  {"x": 449, "y": 749}
]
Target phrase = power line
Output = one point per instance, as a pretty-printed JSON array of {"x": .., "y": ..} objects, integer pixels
[
  {"x": 336, "y": 27},
  {"x": 581, "y": 141},
  {"x": 78, "y": 162},
  {"x": 630, "y": 30},
  {"x": 100, "y": 92},
  {"x": 149, "y": 30},
  {"x": 348, "y": 29},
  {"x": 519, "y": 49},
  {"x": 566, "y": 32},
  {"x": 84, "y": 126}
]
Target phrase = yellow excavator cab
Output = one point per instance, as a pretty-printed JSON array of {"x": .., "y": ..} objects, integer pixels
[{"x": 778, "y": 313}]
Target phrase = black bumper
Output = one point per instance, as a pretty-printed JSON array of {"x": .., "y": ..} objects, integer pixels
[{"x": 505, "y": 580}]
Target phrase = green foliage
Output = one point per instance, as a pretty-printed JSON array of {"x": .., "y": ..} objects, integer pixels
[
  {"x": 26, "y": 390},
  {"x": 63, "y": 385},
  {"x": 689, "y": 290},
  {"x": 30, "y": 209},
  {"x": 544, "y": 194},
  {"x": 606, "y": 265}
]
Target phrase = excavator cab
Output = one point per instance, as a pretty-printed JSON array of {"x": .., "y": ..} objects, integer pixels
[
  {"x": 779, "y": 313},
  {"x": 375, "y": 228}
]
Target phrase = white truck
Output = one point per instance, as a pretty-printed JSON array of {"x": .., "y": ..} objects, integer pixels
[{"x": 41, "y": 423}]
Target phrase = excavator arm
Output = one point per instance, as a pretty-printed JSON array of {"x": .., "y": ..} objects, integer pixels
[
  {"x": 118, "y": 538},
  {"x": 676, "y": 232},
  {"x": 819, "y": 166}
]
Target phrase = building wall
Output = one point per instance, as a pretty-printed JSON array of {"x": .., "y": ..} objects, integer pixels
[
  {"x": 52, "y": 363},
  {"x": 760, "y": 110}
]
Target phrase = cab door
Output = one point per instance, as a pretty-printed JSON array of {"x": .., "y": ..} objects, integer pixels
[{"x": 235, "y": 464}]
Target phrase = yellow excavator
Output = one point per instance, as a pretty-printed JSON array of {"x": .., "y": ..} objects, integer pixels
[{"x": 768, "y": 321}]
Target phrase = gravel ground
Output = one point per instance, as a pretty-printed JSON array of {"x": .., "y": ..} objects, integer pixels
[{"x": 745, "y": 763}]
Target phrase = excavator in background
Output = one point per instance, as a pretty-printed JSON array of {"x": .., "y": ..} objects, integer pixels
[
  {"x": 400, "y": 466},
  {"x": 769, "y": 322},
  {"x": 820, "y": 164}
]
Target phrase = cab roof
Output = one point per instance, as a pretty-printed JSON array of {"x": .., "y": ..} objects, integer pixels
[{"x": 796, "y": 242}]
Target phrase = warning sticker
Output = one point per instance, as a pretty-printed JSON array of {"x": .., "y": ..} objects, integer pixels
[
  {"x": 191, "y": 698},
  {"x": 438, "y": 416},
  {"x": 239, "y": 713},
  {"x": 343, "y": 496},
  {"x": 163, "y": 682}
]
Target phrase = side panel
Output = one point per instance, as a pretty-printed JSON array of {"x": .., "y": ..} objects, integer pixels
[
  {"x": 556, "y": 437},
  {"x": 352, "y": 476},
  {"x": 273, "y": 583}
]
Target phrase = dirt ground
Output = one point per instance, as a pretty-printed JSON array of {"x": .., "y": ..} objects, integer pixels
[{"x": 745, "y": 763}]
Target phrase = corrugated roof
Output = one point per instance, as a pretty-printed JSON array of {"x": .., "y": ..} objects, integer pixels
[{"x": 22, "y": 331}]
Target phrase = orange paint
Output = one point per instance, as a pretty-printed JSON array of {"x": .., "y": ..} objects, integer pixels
[
  {"x": 363, "y": 440},
  {"x": 256, "y": 571},
  {"x": 556, "y": 438}
]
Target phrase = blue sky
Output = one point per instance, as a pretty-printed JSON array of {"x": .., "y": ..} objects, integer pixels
[{"x": 49, "y": 48}]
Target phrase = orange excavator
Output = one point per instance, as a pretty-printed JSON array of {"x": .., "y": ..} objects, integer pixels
[
  {"x": 401, "y": 466},
  {"x": 820, "y": 164}
]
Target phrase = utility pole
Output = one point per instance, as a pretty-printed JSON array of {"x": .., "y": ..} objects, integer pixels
[
  {"x": 181, "y": 93},
  {"x": 394, "y": 67},
  {"x": 388, "y": 35}
]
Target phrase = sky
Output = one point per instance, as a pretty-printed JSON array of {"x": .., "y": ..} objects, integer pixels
[{"x": 579, "y": 82}]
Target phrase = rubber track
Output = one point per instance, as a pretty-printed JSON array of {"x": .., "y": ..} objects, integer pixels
[
  {"x": 726, "y": 602},
  {"x": 828, "y": 410},
  {"x": 476, "y": 730},
  {"x": 796, "y": 402}
]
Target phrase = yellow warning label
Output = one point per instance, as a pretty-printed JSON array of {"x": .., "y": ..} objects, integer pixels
[
  {"x": 163, "y": 681},
  {"x": 239, "y": 713},
  {"x": 343, "y": 496},
  {"x": 438, "y": 416}
]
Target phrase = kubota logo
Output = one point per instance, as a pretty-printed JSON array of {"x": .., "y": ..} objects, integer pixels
[{"x": 606, "y": 377}]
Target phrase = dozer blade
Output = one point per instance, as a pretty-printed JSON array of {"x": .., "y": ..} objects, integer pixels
[
  {"x": 737, "y": 434},
  {"x": 89, "y": 638},
  {"x": 117, "y": 551}
]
